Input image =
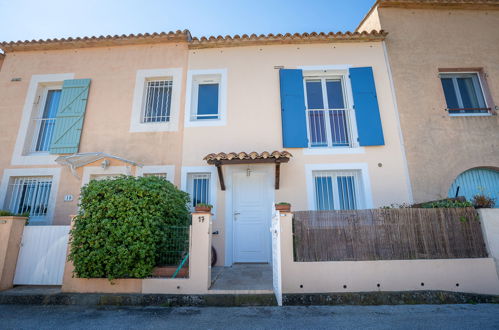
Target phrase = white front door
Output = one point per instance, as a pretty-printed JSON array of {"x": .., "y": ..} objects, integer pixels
[{"x": 252, "y": 207}]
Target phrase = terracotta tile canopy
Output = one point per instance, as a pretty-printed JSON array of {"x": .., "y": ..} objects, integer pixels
[{"x": 233, "y": 158}]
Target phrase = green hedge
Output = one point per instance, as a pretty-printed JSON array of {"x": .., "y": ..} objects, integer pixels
[{"x": 123, "y": 224}]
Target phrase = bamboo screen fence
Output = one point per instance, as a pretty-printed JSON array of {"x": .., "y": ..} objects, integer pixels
[{"x": 387, "y": 234}]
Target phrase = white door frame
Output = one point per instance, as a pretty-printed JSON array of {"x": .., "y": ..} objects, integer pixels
[{"x": 229, "y": 229}]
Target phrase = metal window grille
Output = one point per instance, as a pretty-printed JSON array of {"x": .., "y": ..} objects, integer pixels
[
  {"x": 159, "y": 175},
  {"x": 199, "y": 188},
  {"x": 30, "y": 194},
  {"x": 329, "y": 122},
  {"x": 157, "y": 103},
  {"x": 337, "y": 190}
]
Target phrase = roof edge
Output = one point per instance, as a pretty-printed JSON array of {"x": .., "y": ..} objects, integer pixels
[
  {"x": 431, "y": 4},
  {"x": 288, "y": 38},
  {"x": 102, "y": 41}
]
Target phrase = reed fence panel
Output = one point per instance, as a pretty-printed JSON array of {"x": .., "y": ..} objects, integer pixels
[{"x": 387, "y": 234}]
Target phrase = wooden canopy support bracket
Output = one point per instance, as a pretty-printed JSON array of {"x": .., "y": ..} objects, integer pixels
[
  {"x": 277, "y": 174},
  {"x": 276, "y": 161},
  {"x": 218, "y": 164}
]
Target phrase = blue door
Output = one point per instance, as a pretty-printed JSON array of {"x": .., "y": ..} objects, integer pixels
[{"x": 476, "y": 181}]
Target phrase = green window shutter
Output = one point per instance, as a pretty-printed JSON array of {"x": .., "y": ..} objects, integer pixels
[{"x": 69, "y": 118}]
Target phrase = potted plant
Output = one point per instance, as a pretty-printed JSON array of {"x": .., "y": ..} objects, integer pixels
[
  {"x": 481, "y": 201},
  {"x": 283, "y": 206},
  {"x": 9, "y": 215},
  {"x": 202, "y": 207}
]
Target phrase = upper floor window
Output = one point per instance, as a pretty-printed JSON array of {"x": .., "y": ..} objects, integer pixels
[
  {"x": 330, "y": 120},
  {"x": 157, "y": 101},
  {"x": 44, "y": 121},
  {"x": 29, "y": 195},
  {"x": 337, "y": 190},
  {"x": 463, "y": 93},
  {"x": 206, "y": 98}
]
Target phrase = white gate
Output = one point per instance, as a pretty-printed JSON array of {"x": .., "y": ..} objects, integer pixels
[
  {"x": 276, "y": 258},
  {"x": 42, "y": 255}
]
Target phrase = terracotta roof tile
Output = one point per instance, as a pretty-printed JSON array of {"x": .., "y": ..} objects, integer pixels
[
  {"x": 101, "y": 41},
  {"x": 250, "y": 155},
  {"x": 487, "y": 2},
  {"x": 288, "y": 38}
]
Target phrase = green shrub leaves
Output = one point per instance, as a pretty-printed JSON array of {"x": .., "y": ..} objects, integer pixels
[{"x": 123, "y": 224}]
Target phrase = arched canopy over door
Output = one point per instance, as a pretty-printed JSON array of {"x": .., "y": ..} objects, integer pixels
[{"x": 476, "y": 181}]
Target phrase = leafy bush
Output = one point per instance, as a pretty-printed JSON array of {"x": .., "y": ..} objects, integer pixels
[
  {"x": 481, "y": 201},
  {"x": 447, "y": 204},
  {"x": 4, "y": 213},
  {"x": 123, "y": 225}
]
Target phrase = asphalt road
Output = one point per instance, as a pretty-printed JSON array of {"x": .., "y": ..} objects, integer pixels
[{"x": 290, "y": 317}]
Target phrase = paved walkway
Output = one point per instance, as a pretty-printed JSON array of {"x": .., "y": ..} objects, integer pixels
[
  {"x": 242, "y": 277},
  {"x": 315, "y": 317}
]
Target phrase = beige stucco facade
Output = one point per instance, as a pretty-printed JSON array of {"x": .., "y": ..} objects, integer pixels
[
  {"x": 254, "y": 124},
  {"x": 252, "y": 119},
  {"x": 421, "y": 40},
  {"x": 106, "y": 127}
]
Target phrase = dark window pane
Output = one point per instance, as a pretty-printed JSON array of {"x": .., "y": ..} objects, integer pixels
[
  {"x": 468, "y": 93},
  {"x": 450, "y": 93},
  {"x": 52, "y": 103},
  {"x": 207, "y": 101},
  {"x": 335, "y": 94},
  {"x": 314, "y": 94}
]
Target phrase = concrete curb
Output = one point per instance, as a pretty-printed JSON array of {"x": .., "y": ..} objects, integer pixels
[{"x": 241, "y": 300}]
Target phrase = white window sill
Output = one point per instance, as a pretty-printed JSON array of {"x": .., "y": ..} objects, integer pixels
[
  {"x": 154, "y": 127},
  {"x": 34, "y": 159},
  {"x": 206, "y": 122},
  {"x": 334, "y": 151},
  {"x": 470, "y": 114}
]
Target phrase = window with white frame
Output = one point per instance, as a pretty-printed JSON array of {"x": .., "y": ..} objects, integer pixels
[
  {"x": 205, "y": 103},
  {"x": 44, "y": 116},
  {"x": 29, "y": 195},
  {"x": 329, "y": 117},
  {"x": 337, "y": 190},
  {"x": 463, "y": 93},
  {"x": 157, "y": 101},
  {"x": 198, "y": 187}
]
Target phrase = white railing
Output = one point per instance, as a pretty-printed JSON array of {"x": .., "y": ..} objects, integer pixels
[
  {"x": 42, "y": 134},
  {"x": 330, "y": 128},
  {"x": 30, "y": 195}
]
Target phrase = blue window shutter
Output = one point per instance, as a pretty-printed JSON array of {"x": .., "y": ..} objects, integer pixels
[
  {"x": 293, "y": 115},
  {"x": 69, "y": 118},
  {"x": 366, "y": 107}
]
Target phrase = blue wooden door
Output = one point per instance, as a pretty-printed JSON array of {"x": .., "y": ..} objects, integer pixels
[{"x": 477, "y": 181}]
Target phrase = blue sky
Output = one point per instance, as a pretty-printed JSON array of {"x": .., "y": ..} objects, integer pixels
[{"x": 42, "y": 19}]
